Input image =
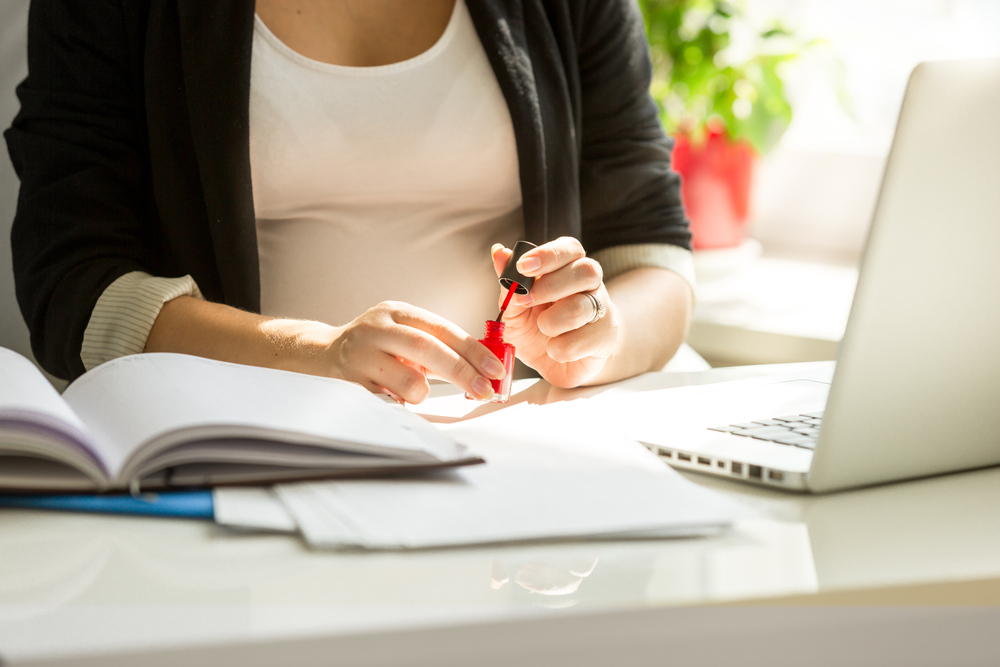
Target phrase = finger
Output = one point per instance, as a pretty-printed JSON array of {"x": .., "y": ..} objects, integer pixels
[
  {"x": 444, "y": 350},
  {"x": 550, "y": 256},
  {"x": 569, "y": 314},
  {"x": 375, "y": 389},
  {"x": 501, "y": 256},
  {"x": 440, "y": 360},
  {"x": 593, "y": 341},
  {"x": 387, "y": 374},
  {"x": 417, "y": 367},
  {"x": 581, "y": 275}
]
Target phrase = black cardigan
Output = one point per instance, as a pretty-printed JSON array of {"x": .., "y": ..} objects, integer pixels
[{"x": 132, "y": 145}]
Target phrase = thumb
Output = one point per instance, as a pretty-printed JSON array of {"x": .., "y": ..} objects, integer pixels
[{"x": 500, "y": 255}]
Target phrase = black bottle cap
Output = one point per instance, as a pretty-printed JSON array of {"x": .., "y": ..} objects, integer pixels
[{"x": 512, "y": 275}]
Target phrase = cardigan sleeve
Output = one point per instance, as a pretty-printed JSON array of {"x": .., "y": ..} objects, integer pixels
[
  {"x": 618, "y": 259},
  {"x": 124, "y": 314},
  {"x": 83, "y": 215},
  {"x": 628, "y": 192}
]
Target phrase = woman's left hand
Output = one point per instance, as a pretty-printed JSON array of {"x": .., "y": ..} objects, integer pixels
[{"x": 553, "y": 326}]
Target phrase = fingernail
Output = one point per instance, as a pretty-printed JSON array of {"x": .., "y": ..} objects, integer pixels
[
  {"x": 482, "y": 388},
  {"x": 493, "y": 368},
  {"x": 496, "y": 248},
  {"x": 524, "y": 299},
  {"x": 528, "y": 264}
]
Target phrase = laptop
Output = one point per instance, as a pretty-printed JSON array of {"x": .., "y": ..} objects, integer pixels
[{"x": 916, "y": 390}]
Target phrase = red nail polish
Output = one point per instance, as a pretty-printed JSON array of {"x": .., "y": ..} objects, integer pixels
[{"x": 505, "y": 353}]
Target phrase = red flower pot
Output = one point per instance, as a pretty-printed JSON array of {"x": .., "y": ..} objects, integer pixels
[{"x": 715, "y": 187}]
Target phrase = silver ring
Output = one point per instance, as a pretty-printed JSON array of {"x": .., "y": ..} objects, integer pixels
[{"x": 599, "y": 309}]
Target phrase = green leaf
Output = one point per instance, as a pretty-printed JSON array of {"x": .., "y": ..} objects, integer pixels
[{"x": 691, "y": 86}]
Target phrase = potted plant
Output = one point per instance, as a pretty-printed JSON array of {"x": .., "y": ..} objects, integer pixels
[{"x": 723, "y": 102}]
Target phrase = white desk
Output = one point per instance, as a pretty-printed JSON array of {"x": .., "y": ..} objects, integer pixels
[{"x": 901, "y": 574}]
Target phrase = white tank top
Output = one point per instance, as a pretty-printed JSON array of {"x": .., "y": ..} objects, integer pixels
[{"x": 379, "y": 183}]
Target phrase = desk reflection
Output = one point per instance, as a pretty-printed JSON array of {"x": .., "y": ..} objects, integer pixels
[{"x": 83, "y": 578}]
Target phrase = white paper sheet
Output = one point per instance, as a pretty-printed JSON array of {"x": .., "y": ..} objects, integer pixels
[
  {"x": 549, "y": 475},
  {"x": 251, "y": 508}
]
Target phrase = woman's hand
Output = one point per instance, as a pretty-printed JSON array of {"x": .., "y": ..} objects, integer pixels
[
  {"x": 553, "y": 326},
  {"x": 389, "y": 349},
  {"x": 392, "y": 347}
]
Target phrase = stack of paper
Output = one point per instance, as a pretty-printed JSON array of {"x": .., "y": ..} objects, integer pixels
[{"x": 549, "y": 475}]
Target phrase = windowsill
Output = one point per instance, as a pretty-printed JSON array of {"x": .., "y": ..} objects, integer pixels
[{"x": 773, "y": 310}]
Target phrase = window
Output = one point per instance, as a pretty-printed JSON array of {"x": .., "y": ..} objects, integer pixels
[{"x": 815, "y": 193}]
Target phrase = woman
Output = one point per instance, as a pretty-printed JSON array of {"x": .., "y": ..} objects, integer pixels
[{"x": 297, "y": 163}]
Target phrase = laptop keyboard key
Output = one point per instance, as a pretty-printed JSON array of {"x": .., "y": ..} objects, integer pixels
[
  {"x": 798, "y": 441},
  {"x": 793, "y": 430},
  {"x": 727, "y": 429},
  {"x": 771, "y": 432}
]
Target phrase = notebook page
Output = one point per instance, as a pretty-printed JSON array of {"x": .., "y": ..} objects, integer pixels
[
  {"x": 26, "y": 396},
  {"x": 137, "y": 399}
]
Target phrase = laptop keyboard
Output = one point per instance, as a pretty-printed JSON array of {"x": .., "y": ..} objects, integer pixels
[{"x": 793, "y": 430}]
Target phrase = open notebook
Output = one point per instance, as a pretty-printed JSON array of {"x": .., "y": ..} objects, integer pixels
[{"x": 160, "y": 421}]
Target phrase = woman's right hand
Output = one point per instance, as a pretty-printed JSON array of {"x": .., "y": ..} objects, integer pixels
[
  {"x": 389, "y": 349},
  {"x": 392, "y": 347}
]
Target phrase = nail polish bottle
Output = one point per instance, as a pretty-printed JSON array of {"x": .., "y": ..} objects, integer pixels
[{"x": 505, "y": 353}]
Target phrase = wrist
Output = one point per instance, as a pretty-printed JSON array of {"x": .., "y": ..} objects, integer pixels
[{"x": 297, "y": 345}]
